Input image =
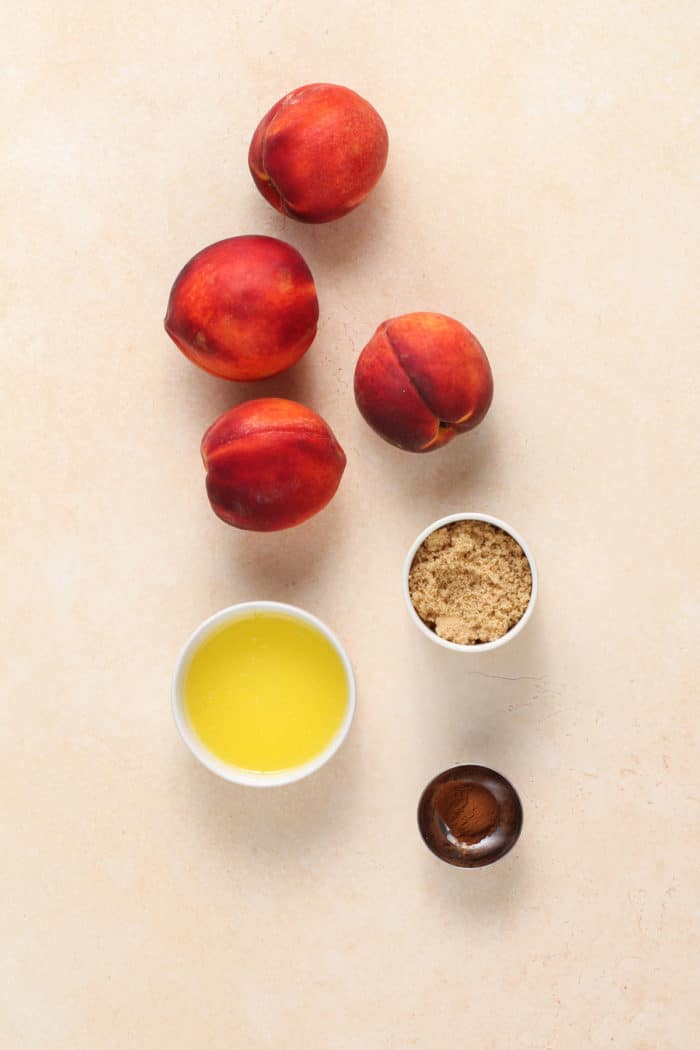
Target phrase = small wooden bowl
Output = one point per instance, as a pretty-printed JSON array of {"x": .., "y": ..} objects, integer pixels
[{"x": 470, "y": 816}]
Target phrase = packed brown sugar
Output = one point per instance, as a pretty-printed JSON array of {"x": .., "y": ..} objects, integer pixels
[{"x": 470, "y": 582}]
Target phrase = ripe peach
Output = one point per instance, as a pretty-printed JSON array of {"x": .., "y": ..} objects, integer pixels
[
  {"x": 318, "y": 152},
  {"x": 271, "y": 464},
  {"x": 244, "y": 308},
  {"x": 422, "y": 379}
]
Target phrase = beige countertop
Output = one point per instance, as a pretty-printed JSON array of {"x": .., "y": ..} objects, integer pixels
[{"x": 542, "y": 187}]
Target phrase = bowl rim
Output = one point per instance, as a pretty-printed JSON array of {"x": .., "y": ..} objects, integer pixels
[
  {"x": 237, "y": 774},
  {"x": 482, "y": 647}
]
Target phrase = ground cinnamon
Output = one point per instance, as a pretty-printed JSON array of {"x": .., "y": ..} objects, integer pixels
[{"x": 468, "y": 811}]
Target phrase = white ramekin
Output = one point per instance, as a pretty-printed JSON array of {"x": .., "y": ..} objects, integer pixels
[
  {"x": 483, "y": 647},
  {"x": 236, "y": 774}
]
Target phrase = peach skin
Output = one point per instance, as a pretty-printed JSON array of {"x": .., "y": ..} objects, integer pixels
[
  {"x": 244, "y": 308},
  {"x": 318, "y": 152},
  {"x": 421, "y": 380},
  {"x": 271, "y": 464}
]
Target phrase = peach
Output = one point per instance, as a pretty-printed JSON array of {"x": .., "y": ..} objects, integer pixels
[
  {"x": 421, "y": 380},
  {"x": 244, "y": 308},
  {"x": 318, "y": 152},
  {"x": 271, "y": 464}
]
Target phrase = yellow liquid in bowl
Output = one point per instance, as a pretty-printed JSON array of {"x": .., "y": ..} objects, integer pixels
[{"x": 266, "y": 692}]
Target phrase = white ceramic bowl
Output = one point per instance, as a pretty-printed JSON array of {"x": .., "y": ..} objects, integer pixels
[
  {"x": 483, "y": 647},
  {"x": 236, "y": 774}
]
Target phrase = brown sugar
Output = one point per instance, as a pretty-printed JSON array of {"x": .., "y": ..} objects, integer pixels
[{"x": 470, "y": 582}]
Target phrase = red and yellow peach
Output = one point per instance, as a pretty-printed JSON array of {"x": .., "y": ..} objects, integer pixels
[
  {"x": 421, "y": 380},
  {"x": 244, "y": 308},
  {"x": 271, "y": 464},
  {"x": 318, "y": 152}
]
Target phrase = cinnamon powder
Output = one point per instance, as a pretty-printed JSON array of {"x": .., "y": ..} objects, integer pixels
[
  {"x": 470, "y": 582},
  {"x": 468, "y": 811}
]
